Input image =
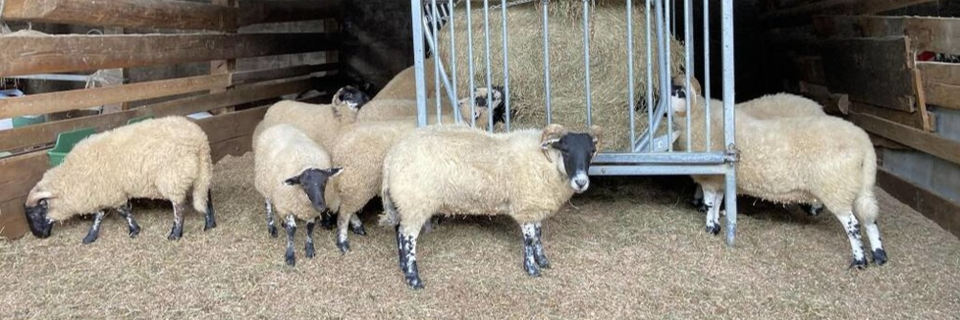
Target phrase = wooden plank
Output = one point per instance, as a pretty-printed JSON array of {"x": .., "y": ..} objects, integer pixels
[
  {"x": 912, "y": 120},
  {"x": 235, "y": 147},
  {"x": 833, "y": 103},
  {"x": 13, "y": 222},
  {"x": 232, "y": 125},
  {"x": 872, "y": 70},
  {"x": 21, "y": 55},
  {"x": 934, "y": 34},
  {"x": 944, "y": 212},
  {"x": 930, "y": 143},
  {"x": 803, "y": 14},
  {"x": 941, "y": 83},
  {"x": 222, "y": 66},
  {"x": 256, "y": 12},
  {"x": 19, "y": 173},
  {"x": 281, "y": 73},
  {"x": 158, "y": 14},
  {"x": 75, "y": 99},
  {"x": 47, "y": 132}
]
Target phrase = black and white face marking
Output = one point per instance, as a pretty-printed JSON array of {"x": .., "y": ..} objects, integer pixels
[
  {"x": 313, "y": 181},
  {"x": 678, "y": 100},
  {"x": 577, "y": 150},
  {"x": 37, "y": 219},
  {"x": 352, "y": 97}
]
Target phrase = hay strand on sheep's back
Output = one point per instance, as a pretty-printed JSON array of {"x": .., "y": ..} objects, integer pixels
[{"x": 608, "y": 63}]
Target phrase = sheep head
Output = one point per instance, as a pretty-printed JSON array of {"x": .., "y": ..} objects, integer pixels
[
  {"x": 576, "y": 150},
  {"x": 351, "y": 97},
  {"x": 313, "y": 181},
  {"x": 36, "y": 209},
  {"x": 551, "y": 135}
]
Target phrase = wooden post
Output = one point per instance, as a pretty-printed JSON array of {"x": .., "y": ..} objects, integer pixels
[
  {"x": 114, "y": 77},
  {"x": 223, "y": 66}
]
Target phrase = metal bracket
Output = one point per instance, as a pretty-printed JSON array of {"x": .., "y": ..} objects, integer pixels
[{"x": 732, "y": 154}]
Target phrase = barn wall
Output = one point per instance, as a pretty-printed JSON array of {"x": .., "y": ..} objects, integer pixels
[{"x": 377, "y": 41}]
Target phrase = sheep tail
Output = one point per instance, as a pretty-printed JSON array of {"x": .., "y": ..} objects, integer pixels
[
  {"x": 389, "y": 218},
  {"x": 865, "y": 205},
  {"x": 201, "y": 187}
]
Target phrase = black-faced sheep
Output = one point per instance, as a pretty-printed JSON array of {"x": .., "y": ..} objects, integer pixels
[
  {"x": 294, "y": 175},
  {"x": 386, "y": 109},
  {"x": 162, "y": 158},
  {"x": 790, "y": 160},
  {"x": 351, "y": 97},
  {"x": 526, "y": 174}
]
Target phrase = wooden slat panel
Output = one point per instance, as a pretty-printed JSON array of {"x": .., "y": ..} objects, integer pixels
[
  {"x": 13, "y": 223},
  {"x": 47, "y": 54},
  {"x": 288, "y": 72},
  {"x": 235, "y": 147},
  {"x": 912, "y": 120},
  {"x": 944, "y": 212},
  {"x": 871, "y": 70},
  {"x": 47, "y": 132},
  {"x": 833, "y": 103},
  {"x": 19, "y": 173},
  {"x": 802, "y": 14},
  {"x": 75, "y": 99},
  {"x": 930, "y": 143},
  {"x": 941, "y": 83},
  {"x": 232, "y": 125},
  {"x": 159, "y": 14},
  {"x": 256, "y": 12},
  {"x": 934, "y": 34}
]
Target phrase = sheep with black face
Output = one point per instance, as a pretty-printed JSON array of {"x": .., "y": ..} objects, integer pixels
[{"x": 526, "y": 174}]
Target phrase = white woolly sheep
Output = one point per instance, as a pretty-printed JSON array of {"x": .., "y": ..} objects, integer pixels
[
  {"x": 360, "y": 150},
  {"x": 385, "y": 109},
  {"x": 320, "y": 122},
  {"x": 793, "y": 159},
  {"x": 295, "y": 177},
  {"x": 780, "y": 105},
  {"x": 404, "y": 85},
  {"x": 526, "y": 174},
  {"x": 351, "y": 97},
  {"x": 159, "y": 159}
]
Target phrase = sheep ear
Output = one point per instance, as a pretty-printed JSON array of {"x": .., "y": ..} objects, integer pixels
[
  {"x": 292, "y": 181},
  {"x": 36, "y": 196},
  {"x": 553, "y": 131},
  {"x": 333, "y": 172},
  {"x": 596, "y": 132}
]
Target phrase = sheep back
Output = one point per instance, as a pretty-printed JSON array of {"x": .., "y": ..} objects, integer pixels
[
  {"x": 320, "y": 122},
  {"x": 781, "y": 105}
]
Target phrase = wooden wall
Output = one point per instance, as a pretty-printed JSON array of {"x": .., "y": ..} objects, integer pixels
[
  {"x": 879, "y": 71},
  {"x": 156, "y": 33}
]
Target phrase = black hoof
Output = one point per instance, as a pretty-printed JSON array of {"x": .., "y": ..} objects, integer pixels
[
  {"x": 532, "y": 269},
  {"x": 414, "y": 282},
  {"x": 209, "y": 224},
  {"x": 290, "y": 259},
  {"x": 358, "y": 230},
  {"x": 543, "y": 263},
  {"x": 175, "y": 234},
  {"x": 345, "y": 247},
  {"x": 90, "y": 238},
  {"x": 134, "y": 232},
  {"x": 310, "y": 252},
  {"x": 858, "y": 264},
  {"x": 272, "y": 230},
  {"x": 714, "y": 229},
  {"x": 879, "y": 257}
]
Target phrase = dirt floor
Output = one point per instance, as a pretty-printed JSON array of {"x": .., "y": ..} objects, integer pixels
[{"x": 625, "y": 249}]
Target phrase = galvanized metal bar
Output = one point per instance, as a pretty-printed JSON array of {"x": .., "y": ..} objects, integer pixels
[
  {"x": 441, "y": 69},
  {"x": 506, "y": 68},
  {"x": 486, "y": 42},
  {"x": 661, "y": 158},
  {"x": 470, "y": 71},
  {"x": 586, "y": 59},
  {"x": 546, "y": 59},
  {"x": 728, "y": 119},
  {"x": 453, "y": 60},
  {"x": 688, "y": 64},
  {"x": 651, "y": 129},
  {"x": 655, "y": 170},
  {"x": 435, "y": 19},
  {"x": 706, "y": 67},
  {"x": 631, "y": 99},
  {"x": 665, "y": 78},
  {"x": 416, "y": 13}
]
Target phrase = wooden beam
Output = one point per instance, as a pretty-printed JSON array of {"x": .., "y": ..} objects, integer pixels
[
  {"x": 159, "y": 14},
  {"x": 944, "y": 212},
  {"x": 232, "y": 125},
  {"x": 872, "y": 70},
  {"x": 934, "y": 34},
  {"x": 47, "y": 132},
  {"x": 235, "y": 147},
  {"x": 256, "y": 12},
  {"x": 62, "y": 53},
  {"x": 82, "y": 98},
  {"x": 930, "y": 143},
  {"x": 801, "y": 15},
  {"x": 912, "y": 120},
  {"x": 13, "y": 222},
  {"x": 833, "y": 103},
  {"x": 222, "y": 66},
  {"x": 19, "y": 173},
  {"x": 281, "y": 73},
  {"x": 941, "y": 83}
]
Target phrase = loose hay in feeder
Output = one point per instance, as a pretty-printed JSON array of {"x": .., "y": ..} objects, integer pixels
[{"x": 608, "y": 63}]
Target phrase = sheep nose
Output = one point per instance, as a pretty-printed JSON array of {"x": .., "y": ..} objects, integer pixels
[{"x": 581, "y": 183}]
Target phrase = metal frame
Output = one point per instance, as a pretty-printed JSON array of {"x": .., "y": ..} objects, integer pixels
[{"x": 644, "y": 159}]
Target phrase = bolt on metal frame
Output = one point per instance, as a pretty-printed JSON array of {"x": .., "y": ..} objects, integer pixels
[{"x": 429, "y": 16}]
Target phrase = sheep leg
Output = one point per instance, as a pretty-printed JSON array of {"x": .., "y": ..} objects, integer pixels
[
  {"x": 356, "y": 226},
  {"x": 209, "y": 222},
  {"x": 529, "y": 249},
  {"x": 94, "y": 232},
  {"x": 343, "y": 219},
  {"x": 712, "y": 200},
  {"x": 177, "y": 231},
  {"x": 309, "y": 247},
  {"x": 538, "y": 248},
  {"x": 271, "y": 225},
  {"x": 698, "y": 199},
  {"x": 813, "y": 209},
  {"x": 291, "y": 226},
  {"x": 127, "y": 213},
  {"x": 407, "y": 247},
  {"x": 852, "y": 227},
  {"x": 873, "y": 233}
]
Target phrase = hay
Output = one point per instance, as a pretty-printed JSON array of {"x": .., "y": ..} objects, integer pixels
[{"x": 608, "y": 66}]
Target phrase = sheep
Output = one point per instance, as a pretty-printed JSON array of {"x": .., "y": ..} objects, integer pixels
[
  {"x": 160, "y": 159},
  {"x": 526, "y": 174},
  {"x": 384, "y": 109},
  {"x": 294, "y": 175},
  {"x": 320, "y": 122},
  {"x": 361, "y": 149},
  {"x": 793, "y": 159},
  {"x": 351, "y": 97},
  {"x": 404, "y": 86},
  {"x": 772, "y": 106}
]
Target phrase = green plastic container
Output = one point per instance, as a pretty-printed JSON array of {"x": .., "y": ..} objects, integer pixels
[
  {"x": 65, "y": 143},
  {"x": 28, "y": 120},
  {"x": 140, "y": 118}
]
